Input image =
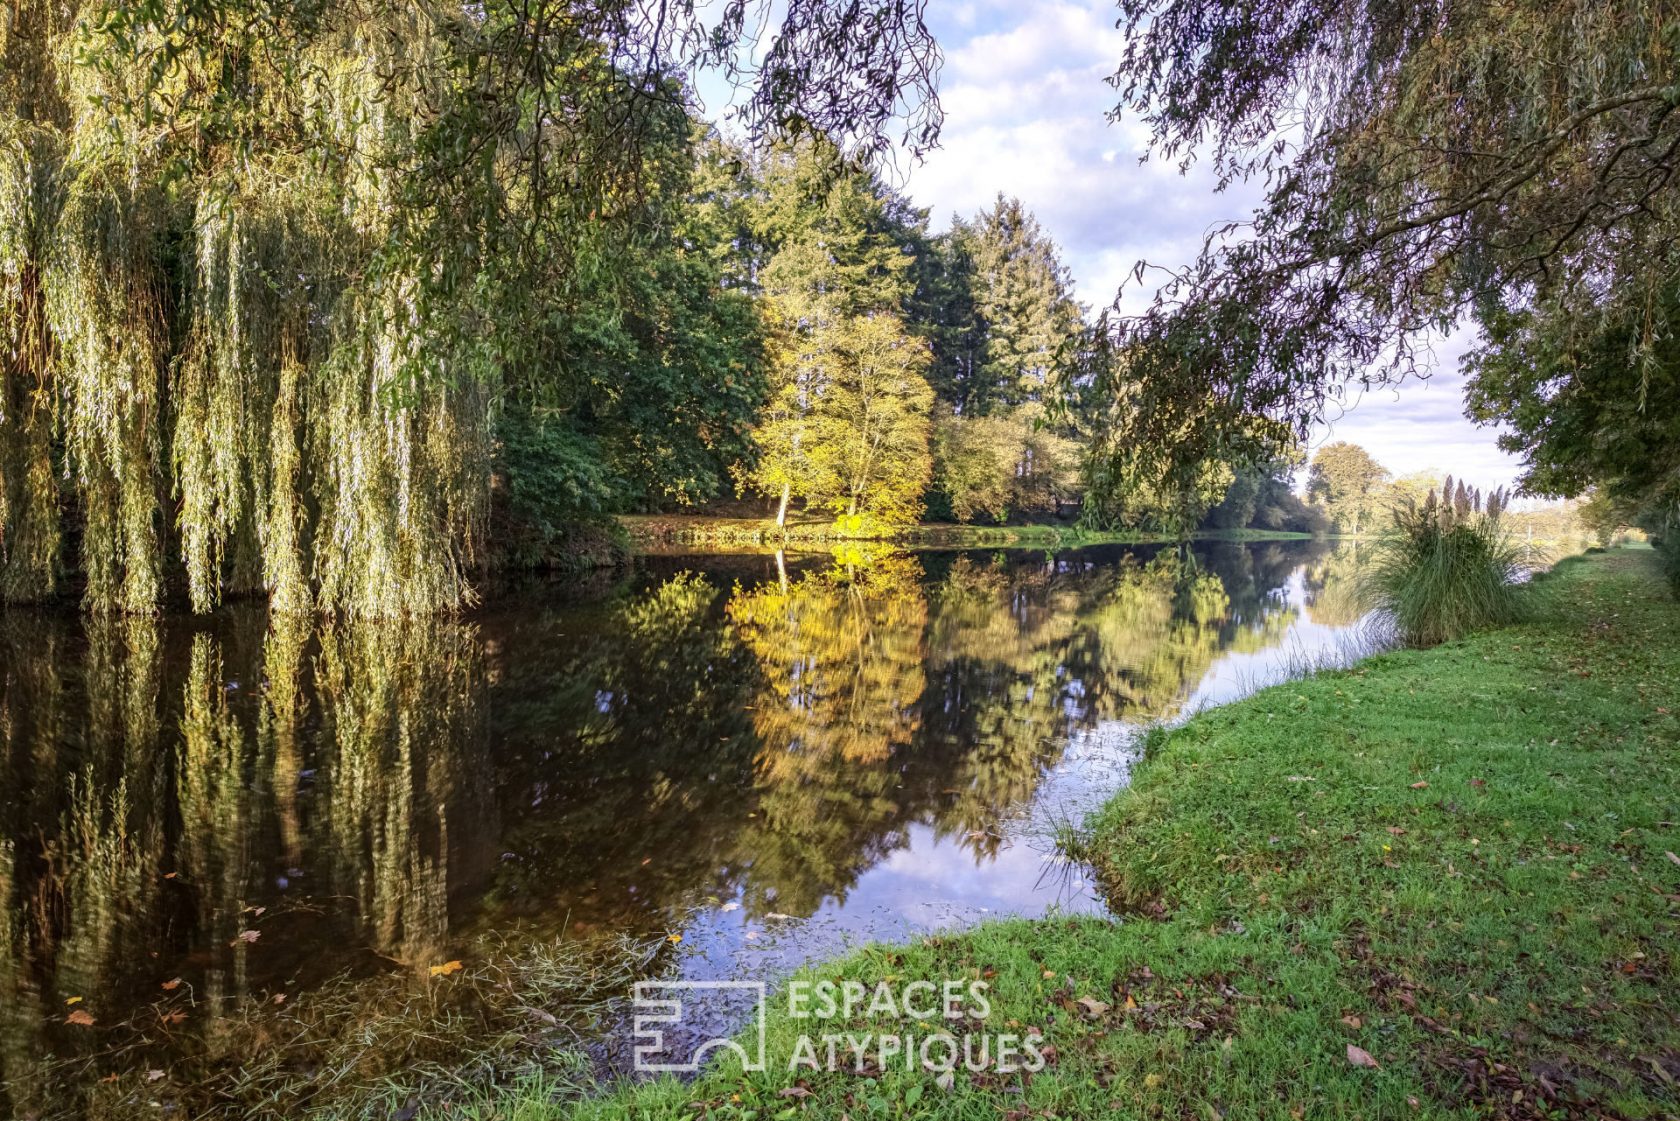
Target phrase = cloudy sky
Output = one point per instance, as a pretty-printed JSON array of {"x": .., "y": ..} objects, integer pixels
[{"x": 1024, "y": 96}]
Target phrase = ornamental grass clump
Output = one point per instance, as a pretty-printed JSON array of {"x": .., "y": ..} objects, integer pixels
[{"x": 1448, "y": 568}]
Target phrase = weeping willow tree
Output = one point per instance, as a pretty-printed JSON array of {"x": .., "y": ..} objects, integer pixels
[{"x": 269, "y": 271}]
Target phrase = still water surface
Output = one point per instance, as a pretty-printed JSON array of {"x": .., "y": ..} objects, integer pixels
[{"x": 771, "y": 760}]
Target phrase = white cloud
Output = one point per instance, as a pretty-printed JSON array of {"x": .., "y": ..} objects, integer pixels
[{"x": 1025, "y": 113}]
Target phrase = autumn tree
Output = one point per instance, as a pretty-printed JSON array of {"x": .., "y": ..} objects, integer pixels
[
  {"x": 846, "y": 426},
  {"x": 1348, "y": 483}
]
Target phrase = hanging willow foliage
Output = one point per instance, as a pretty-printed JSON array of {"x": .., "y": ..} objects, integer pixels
[{"x": 268, "y": 270}]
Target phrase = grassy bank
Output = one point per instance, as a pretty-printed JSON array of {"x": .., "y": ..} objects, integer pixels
[
  {"x": 655, "y": 532},
  {"x": 1456, "y": 861}
]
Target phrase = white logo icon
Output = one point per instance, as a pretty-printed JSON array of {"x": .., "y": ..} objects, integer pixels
[{"x": 661, "y": 1003}]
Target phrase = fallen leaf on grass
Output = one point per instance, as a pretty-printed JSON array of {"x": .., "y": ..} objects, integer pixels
[
  {"x": 1360, "y": 1057},
  {"x": 1353, "y": 1022},
  {"x": 1093, "y": 1007},
  {"x": 80, "y": 1018},
  {"x": 1672, "y": 859},
  {"x": 795, "y": 1092},
  {"x": 1420, "y": 786},
  {"x": 153, "y": 1075},
  {"x": 446, "y": 969}
]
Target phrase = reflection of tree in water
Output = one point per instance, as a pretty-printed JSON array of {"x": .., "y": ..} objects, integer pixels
[
  {"x": 999, "y": 690},
  {"x": 841, "y": 653},
  {"x": 79, "y": 850},
  {"x": 604, "y": 765},
  {"x": 1335, "y": 587},
  {"x": 625, "y": 744},
  {"x": 155, "y": 815},
  {"x": 409, "y": 801}
]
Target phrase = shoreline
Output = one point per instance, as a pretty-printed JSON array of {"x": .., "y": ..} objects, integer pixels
[{"x": 1432, "y": 884}]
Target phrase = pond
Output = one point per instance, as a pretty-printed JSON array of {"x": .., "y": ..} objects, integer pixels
[{"x": 742, "y": 762}]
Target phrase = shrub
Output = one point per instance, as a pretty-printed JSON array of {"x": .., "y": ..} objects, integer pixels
[{"x": 1448, "y": 568}]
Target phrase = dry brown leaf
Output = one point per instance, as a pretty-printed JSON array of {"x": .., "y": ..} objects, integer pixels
[
  {"x": 1360, "y": 1057},
  {"x": 153, "y": 1075},
  {"x": 172, "y": 984},
  {"x": 1353, "y": 1022},
  {"x": 446, "y": 968},
  {"x": 1420, "y": 786},
  {"x": 795, "y": 1092},
  {"x": 246, "y": 936},
  {"x": 1093, "y": 1007},
  {"x": 80, "y": 1018}
]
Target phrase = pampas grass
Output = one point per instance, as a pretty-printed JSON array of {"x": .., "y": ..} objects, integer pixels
[{"x": 1448, "y": 568}]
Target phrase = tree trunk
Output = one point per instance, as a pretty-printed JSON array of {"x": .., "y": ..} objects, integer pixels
[{"x": 781, "y": 511}]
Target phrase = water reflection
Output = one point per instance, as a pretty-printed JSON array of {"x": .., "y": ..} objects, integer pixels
[{"x": 251, "y": 808}]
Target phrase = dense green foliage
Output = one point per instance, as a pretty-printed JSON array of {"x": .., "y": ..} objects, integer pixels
[
  {"x": 1428, "y": 857},
  {"x": 1593, "y": 406},
  {"x": 1348, "y": 482},
  {"x": 1508, "y": 163},
  {"x": 307, "y": 299}
]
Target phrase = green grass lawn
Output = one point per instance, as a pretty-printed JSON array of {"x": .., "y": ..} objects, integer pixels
[{"x": 1458, "y": 861}]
